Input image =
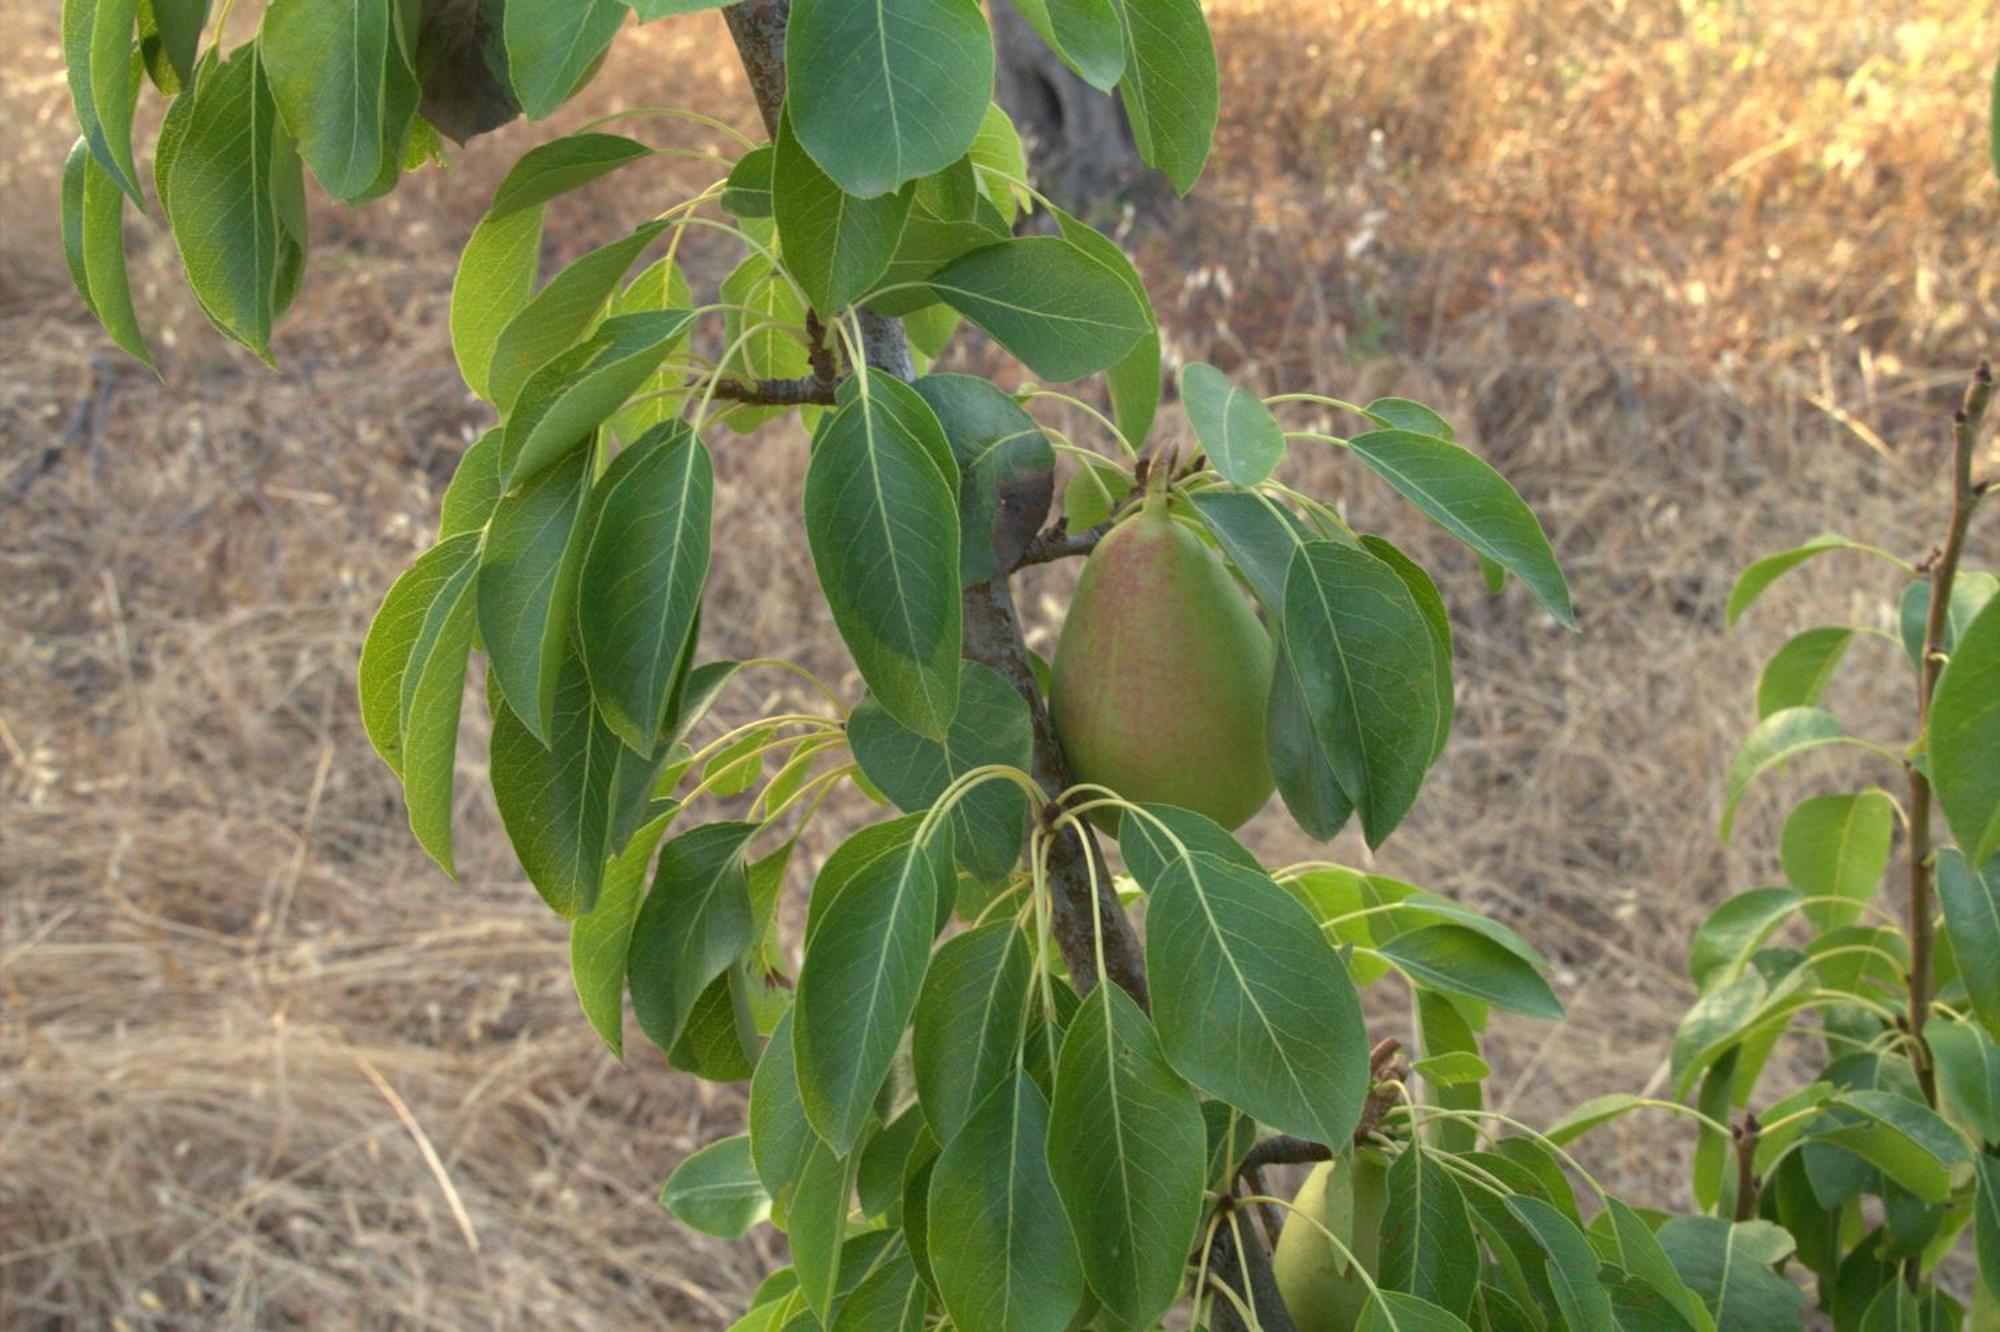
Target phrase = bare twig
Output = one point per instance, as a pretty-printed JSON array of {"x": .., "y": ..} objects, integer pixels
[
  {"x": 1059, "y": 543},
  {"x": 1943, "y": 570},
  {"x": 1747, "y": 1134}
]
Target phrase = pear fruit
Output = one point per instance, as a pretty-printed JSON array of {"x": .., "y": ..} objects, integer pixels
[
  {"x": 1160, "y": 678},
  {"x": 1320, "y": 1288}
]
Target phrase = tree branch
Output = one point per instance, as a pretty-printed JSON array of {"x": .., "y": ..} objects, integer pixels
[
  {"x": 1964, "y": 499},
  {"x": 1059, "y": 543},
  {"x": 992, "y": 629},
  {"x": 777, "y": 392},
  {"x": 1226, "y": 1268}
]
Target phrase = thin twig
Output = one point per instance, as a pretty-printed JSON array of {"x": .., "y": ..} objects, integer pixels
[
  {"x": 1964, "y": 499},
  {"x": 1746, "y": 1168}
]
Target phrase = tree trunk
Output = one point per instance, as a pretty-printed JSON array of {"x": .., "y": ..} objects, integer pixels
[{"x": 1078, "y": 139}]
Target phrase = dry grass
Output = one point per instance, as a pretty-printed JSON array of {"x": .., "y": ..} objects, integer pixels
[{"x": 1680, "y": 269}]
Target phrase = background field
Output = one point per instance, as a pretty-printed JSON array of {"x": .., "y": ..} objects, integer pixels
[{"x": 1702, "y": 278}]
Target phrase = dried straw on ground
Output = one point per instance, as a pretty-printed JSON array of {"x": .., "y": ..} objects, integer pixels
[{"x": 1686, "y": 274}]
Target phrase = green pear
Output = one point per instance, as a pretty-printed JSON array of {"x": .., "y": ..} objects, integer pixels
[
  {"x": 1320, "y": 1287},
  {"x": 1160, "y": 677}
]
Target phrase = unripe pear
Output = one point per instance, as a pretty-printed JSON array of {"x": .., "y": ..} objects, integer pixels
[
  {"x": 1161, "y": 674},
  {"x": 1321, "y": 1290}
]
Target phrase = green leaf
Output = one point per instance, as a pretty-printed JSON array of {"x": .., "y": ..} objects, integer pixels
[
  {"x": 1463, "y": 961},
  {"x": 413, "y": 679},
  {"x": 1735, "y": 930},
  {"x": 1006, "y": 468},
  {"x": 1242, "y": 438},
  {"x": 570, "y": 396},
  {"x": 1127, "y": 1152},
  {"x": 1780, "y": 736},
  {"x": 598, "y": 942},
  {"x": 767, "y": 352},
  {"x": 836, "y": 245},
  {"x": 1404, "y": 414},
  {"x": 230, "y": 167},
  {"x": 1424, "y": 592},
  {"x": 1752, "y": 582},
  {"x": 1964, "y": 738},
  {"x": 998, "y": 1242},
  {"x": 1798, "y": 672},
  {"x": 780, "y": 1138},
  {"x": 1363, "y": 657},
  {"x": 93, "y": 223},
  {"x": 695, "y": 922},
  {"x": 1049, "y": 302},
  {"x": 560, "y": 314},
  {"x": 747, "y": 191},
  {"x": 1001, "y": 159},
  {"x": 890, "y": 1298},
  {"x": 865, "y": 960},
  {"x": 1906, "y": 1138},
  {"x": 642, "y": 576},
  {"x": 1593, "y": 1113},
  {"x": 553, "y": 46},
  {"x": 1971, "y": 904},
  {"x": 170, "y": 39},
  {"x": 716, "y": 1191},
  {"x": 1259, "y": 535},
  {"x": 1632, "y": 1245},
  {"x": 1427, "y": 1244},
  {"x": 1454, "y": 1068},
  {"x": 1466, "y": 497},
  {"x": 1093, "y": 490},
  {"x": 1393, "y": 1311},
  {"x": 1170, "y": 85},
  {"x": 570, "y": 805},
  {"x": 662, "y": 395},
  {"x": 1970, "y": 592},
  {"x": 1986, "y": 1169},
  {"x": 969, "y": 1021},
  {"x": 1730, "y": 1011},
  {"x": 1729, "y": 1265},
  {"x": 1968, "y": 1065},
  {"x": 992, "y": 726},
  {"x": 1134, "y": 379},
  {"x": 928, "y": 242},
  {"x": 1090, "y": 37},
  {"x": 527, "y": 585},
  {"x": 495, "y": 278},
  {"x": 330, "y": 67},
  {"x": 1445, "y": 1035},
  {"x": 720, "y": 1042},
  {"x": 816, "y": 1223},
  {"x": 97, "y": 38},
  {"x": 881, "y": 515},
  {"x": 1572, "y": 1266},
  {"x": 884, "y": 93},
  {"x": 879, "y": 1183},
  {"x": 420, "y": 600},
  {"x": 1838, "y": 846},
  {"x": 1252, "y": 1003},
  {"x": 474, "y": 489},
  {"x": 560, "y": 165}
]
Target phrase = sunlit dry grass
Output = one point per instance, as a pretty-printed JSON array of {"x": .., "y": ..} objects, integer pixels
[{"x": 1686, "y": 272}]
